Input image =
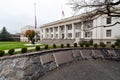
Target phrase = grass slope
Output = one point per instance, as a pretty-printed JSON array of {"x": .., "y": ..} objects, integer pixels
[{"x": 9, "y": 45}]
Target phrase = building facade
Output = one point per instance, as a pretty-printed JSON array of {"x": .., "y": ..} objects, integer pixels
[{"x": 100, "y": 28}]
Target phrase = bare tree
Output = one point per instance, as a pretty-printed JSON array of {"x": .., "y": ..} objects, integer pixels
[{"x": 109, "y": 7}]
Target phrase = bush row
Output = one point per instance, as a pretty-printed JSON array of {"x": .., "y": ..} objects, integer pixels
[{"x": 81, "y": 44}]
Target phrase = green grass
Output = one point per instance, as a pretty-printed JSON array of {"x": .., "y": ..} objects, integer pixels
[{"x": 9, "y": 45}]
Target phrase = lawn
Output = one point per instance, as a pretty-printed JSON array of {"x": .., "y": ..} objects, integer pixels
[{"x": 9, "y": 45}]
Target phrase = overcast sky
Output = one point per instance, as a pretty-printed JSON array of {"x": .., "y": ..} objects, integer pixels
[{"x": 15, "y": 14}]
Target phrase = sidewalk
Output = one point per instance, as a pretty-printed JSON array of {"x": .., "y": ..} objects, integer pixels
[{"x": 19, "y": 49}]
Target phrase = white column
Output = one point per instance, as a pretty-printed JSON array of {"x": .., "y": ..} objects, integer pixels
[
  {"x": 41, "y": 33},
  {"x": 73, "y": 31},
  {"x": 82, "y": 30},
  {"x": 65, "y": 31},
  {"x": 45, "y": 35},
  {"x": 53, "y": 33},
  {"x": 58, "y": 32},
  {"x": 49, "y": 33}
]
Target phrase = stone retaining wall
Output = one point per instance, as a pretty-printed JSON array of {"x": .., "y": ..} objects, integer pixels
[{"x": 31, "y": 66}]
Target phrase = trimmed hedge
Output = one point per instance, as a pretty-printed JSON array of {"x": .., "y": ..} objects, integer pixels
[
  {"x": 46, "y": 46},
  {"x": 68, "y": 45},
  {"x": 87, "y": 44},
  {"x": 81, "y": 44},
  {"x": 91, "y": 42},
  {"x": 62, "y": 45},
  {"x": 11, "y": 51},
  {"x": 2, "y": 53},
  {"x": 112, "y": 46},
  {"x": 95, "y": 45},
  {"x": 102, "y": 44},
  {"x": 37, "y": 48},
  {"x": 75, "y": 44},
  {"x": 54, "y": 45},
  {"x": 24, "y": 50}
]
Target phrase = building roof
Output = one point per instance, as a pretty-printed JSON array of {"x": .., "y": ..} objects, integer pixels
[{"x": 82, "y": 17}]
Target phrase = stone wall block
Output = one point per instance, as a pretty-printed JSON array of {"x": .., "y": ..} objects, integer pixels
[{"x": 19, "y": 64}]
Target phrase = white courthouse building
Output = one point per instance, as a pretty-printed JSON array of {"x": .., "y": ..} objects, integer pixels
[{"x": 98, "y": 27}]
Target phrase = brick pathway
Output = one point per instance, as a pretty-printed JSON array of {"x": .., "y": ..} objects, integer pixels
[{"x": 86, "y": 70}]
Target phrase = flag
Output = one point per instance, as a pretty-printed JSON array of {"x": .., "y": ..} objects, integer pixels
[{"x": 63, "y": 14}]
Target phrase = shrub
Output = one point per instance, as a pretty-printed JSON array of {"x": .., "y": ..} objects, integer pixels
[
  {"x": 91, "y": 42},
  {"x": 46, "y": 46},
  {"x": 81, "y": 44},
  {"x": 75, "y": 44},
  {"x": 2, "y": 53},
  {"x": 68, "y": 45},
  {"x": 24, "y": 50},
  {"x": 54, "y": 45},
  {"x": 87, "y": 44},
  {"x": 112, "y": 46},
  {"x": 37, "y": 48},
  {"x": 95, "y": 45},
  {"x": 62, "y": 45},
  {"x": 102, "y": 44},
  {"x": 117, "y": 43},
  {"x": 11, "y": 51}
]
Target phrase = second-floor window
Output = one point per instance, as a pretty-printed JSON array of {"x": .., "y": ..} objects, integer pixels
[
  {"x": 56, "y": 28},
  {"x": 69, "y": 27},
  {"x": 108, "y": 20},
  {"x": 51, "y": 29}
]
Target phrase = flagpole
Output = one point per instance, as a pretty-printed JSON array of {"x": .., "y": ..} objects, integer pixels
[{"x": 35, "y": 21}]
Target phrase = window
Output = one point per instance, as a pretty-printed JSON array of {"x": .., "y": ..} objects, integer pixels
[
  {"x": 88, "y": 34},
  {"x": 56, "y": 29},
  {"x": 69, "y": 34},
  {"x": 69, "y": 27},
  {"x": 108, "y": 20},
  {"x": 47, "y": 30},
  {"x": 88, "y": 24},
  {"x": 62, "y": 28},
  {"x": 56, "y": 35},
  {"x": 51, "y": 29},
  {"x": 77, "y": 34},
  {"x": 42, "y": 30},
  {"x": 77, "y": 25},
  {"x": 51, "y": 35},
  {"x": 108, "y": 33}
]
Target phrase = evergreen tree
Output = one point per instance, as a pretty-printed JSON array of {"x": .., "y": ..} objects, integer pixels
[{"x": 5, "y": 35}]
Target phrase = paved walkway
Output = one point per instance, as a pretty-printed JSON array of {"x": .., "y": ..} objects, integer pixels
[
  {"x": 19, "y": 49},
  {"x": 86, "y": 70}
]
